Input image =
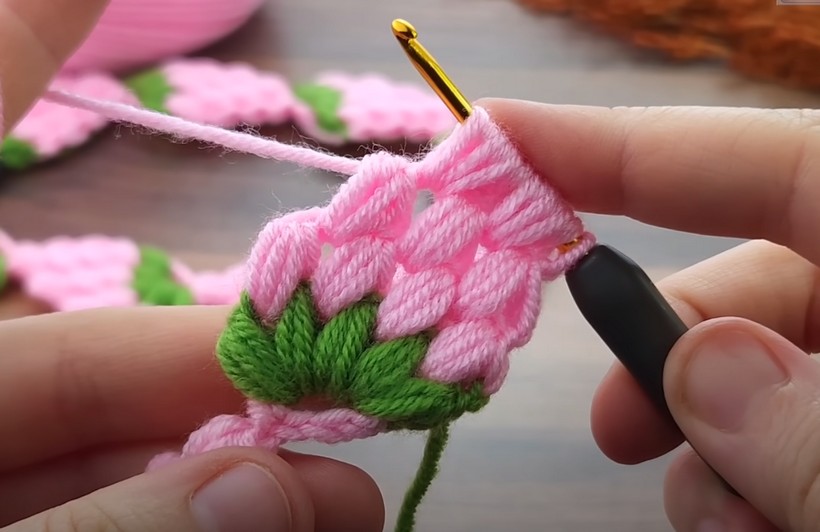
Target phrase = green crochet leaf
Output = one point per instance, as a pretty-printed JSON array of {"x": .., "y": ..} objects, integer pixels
[
  {"x": 17, "y": 154},
  {"x": 154, "y": 281},
  {"x": 151, "y": 88},
  {"x": 298, "y": 357},
  {"x": 325, "y": 103}
]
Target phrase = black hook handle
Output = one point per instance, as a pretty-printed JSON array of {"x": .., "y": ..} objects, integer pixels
[{"x": 630, "y": 315}]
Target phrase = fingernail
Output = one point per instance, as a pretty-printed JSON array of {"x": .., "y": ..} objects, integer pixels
[
  {"x": 726, "y": 373},
  {"x": 243, "y": 499}
]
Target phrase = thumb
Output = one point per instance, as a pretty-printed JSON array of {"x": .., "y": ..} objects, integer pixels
[
  {"x": 229, "y": 490},
  {"x": 748, "y": 402}
]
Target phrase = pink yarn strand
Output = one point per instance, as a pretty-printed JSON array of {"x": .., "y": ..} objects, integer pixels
[{"x": 183, "y": 129}]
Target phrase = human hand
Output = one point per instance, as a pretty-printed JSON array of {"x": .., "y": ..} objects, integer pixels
[
  {"x": 88, "y": 398},
  {"x": 740, "y": 383}
]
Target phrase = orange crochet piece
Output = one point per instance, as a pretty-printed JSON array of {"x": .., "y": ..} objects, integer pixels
[{"x": 758, "y": 38}]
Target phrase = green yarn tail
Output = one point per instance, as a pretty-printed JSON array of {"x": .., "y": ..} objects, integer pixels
[
  {"x": 4, "y": 275},
  {"x": 428, "y": 468}
]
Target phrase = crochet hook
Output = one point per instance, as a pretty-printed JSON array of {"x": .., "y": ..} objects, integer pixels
[
  {"x": 612, "y": 292},
  {"x": 620, "y": 302},
  {"x": 615, "y": 296}
]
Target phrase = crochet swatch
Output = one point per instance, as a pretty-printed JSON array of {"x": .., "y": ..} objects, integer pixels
[
  {"x": 335, "y": 108},
  {"x": 97, "y": 271},
  {"x": 393, "y": 321},
  {"x": 356, "y": 318}
]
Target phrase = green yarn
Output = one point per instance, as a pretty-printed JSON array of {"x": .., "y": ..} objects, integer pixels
[
  {"x": 4, "y": 272},
  {"x": 428, "y": 468},
  {"x": 154, "y": 281},
  {"x": 299, "y": 358},
  {"x": 325, "y": 103},
  {"x": 17, "y": 154},
  {"x": 151, "y": 88}
]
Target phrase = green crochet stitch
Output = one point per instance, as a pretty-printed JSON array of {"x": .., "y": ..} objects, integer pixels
[
  {"x": 300, "y": 357},
  {"x": 154, "y": 282}
]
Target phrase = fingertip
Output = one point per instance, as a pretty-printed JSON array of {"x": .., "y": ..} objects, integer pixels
[
  {"x": 626, "y": 426},
  {"x": 344, "y": 496},
  {"x": 695, "y": 498},
  {"x": 577, "y": 148}
]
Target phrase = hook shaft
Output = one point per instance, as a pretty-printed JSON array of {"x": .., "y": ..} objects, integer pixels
[{"x": 430, "y": 70}]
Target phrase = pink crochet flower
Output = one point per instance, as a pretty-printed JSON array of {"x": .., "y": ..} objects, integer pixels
[
  {"x": 207, "y": 91},
  {"x": 72, "y": 274},
  {"x": 375, "y": 107},
  {"x": 212, "y": 287}
]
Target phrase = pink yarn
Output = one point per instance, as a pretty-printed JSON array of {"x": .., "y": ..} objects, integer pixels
[
  {"x": 73, "y": 274},
  {"x": 51, "y": 128},
  {"x": 228, "y": 95},
  {"x": 211, "y": 287},
  {"x": 135, "y": 33},
  {"x": 184, "y": 130},
  {"x": 471, "y": 266},
  {"x": 96, "y": 271},
  {"x": 374, "y": 107},
  {"x": 270, "y": 426}
]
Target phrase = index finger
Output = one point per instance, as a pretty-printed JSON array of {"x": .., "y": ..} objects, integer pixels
[
  {"x": 76, "y": 380},
  {"x": 746, "y": 173},
  {"x": 36, "y": 38}
]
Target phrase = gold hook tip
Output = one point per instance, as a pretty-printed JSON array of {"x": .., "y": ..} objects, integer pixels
[
  {"x": 404, "y": 30},
  {"x": 430, "y": 70}
]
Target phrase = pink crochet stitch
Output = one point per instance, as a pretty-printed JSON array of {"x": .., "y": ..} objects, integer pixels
[
  {"x": 392, "y": 320},
  {"x": 50, "y": 128},
  {"x": 228, "y": 95},
  {"x": 374, "y": 107},
  {"x": 470, "y": 266},
  {"x": 211, "y": 287},
  {"x": 207, "y": 91},
  {"x": 371, "y": 107},
  {"x": 98, "y": 271}
]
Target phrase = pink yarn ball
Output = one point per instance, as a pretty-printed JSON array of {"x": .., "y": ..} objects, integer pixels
[{"x": 135, "y": 33}]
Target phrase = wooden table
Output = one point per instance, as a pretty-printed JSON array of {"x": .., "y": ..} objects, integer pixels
[{"x": 528, "y": 462}]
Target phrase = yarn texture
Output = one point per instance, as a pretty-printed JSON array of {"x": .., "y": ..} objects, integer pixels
[
  {"x": 359, "y": 317},
  {"x": 334, "y": 108},
  {"x": 393, "y": 321}
]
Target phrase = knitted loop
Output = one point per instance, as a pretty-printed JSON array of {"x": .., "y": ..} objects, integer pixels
[{"x": 299, "y": 357}]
